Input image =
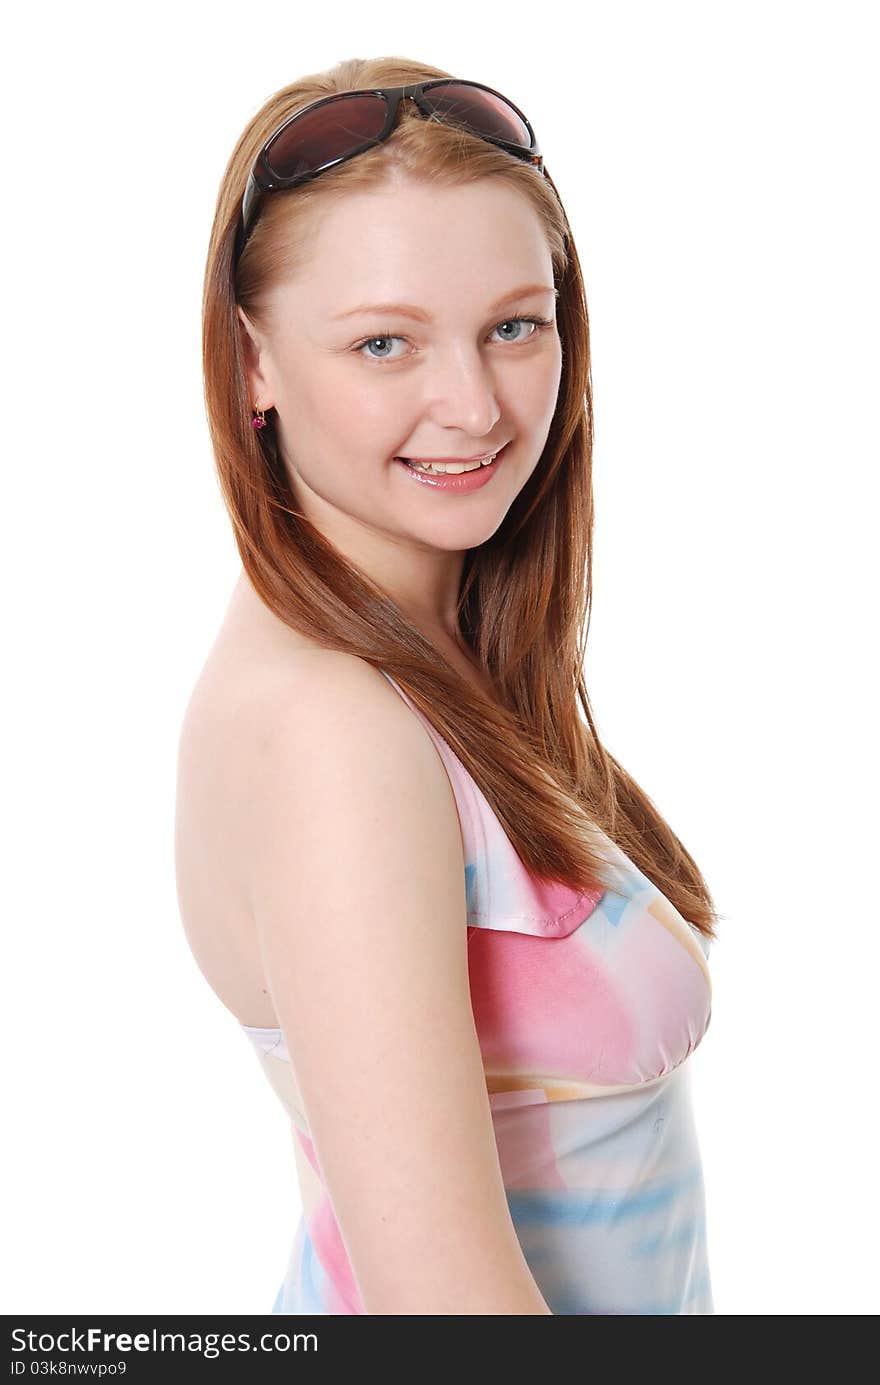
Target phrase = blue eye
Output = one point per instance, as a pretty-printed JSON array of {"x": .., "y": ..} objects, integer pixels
[
  {"x": 371, "y": 341},
  {"x": 539, "y": 323}
]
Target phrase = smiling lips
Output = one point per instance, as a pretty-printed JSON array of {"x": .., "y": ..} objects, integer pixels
[
  {"x": 429, "y": 461},
  {"x": 450, "y": 466}
]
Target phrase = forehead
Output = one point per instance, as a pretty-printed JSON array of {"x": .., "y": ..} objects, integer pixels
[{"x": 431, "y": 246}]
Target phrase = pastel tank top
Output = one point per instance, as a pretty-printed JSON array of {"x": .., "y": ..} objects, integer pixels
[{"x": 586, "y": 1007}]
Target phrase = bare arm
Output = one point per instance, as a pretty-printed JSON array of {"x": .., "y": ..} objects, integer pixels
[{"x": 356, "y": 875}]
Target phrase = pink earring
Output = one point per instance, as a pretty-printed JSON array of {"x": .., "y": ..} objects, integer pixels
[{"x": 259, "y": 418}]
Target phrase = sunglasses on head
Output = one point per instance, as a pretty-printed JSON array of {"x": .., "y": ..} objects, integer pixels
[{"x": 335, "y": 128}]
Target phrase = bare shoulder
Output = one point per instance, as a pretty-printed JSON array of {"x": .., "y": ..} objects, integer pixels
[
  {"x": 245, "y": 693},
  {"x": 292, "y": 729},
  {"x": 332, "y": 736},
  {"x": 321, "y": 715}
]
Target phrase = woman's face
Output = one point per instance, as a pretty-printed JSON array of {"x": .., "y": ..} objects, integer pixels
[{"x": 356, "y": 385}]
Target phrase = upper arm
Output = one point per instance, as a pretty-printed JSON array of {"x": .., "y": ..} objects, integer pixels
[{"x": 356, "y": 875}]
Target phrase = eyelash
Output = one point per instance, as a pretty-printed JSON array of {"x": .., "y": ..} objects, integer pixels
[{"x": 539, "y": 322}]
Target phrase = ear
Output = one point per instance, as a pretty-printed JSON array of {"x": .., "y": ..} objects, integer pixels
[{"x": 254, "y": 363}]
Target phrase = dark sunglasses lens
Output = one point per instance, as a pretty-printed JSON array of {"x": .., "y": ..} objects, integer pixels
[
  {"x": 318, "y": 137},
  {"x": 481, "y": 110}
]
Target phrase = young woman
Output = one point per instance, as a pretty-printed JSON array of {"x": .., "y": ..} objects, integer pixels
[{"x": 469, "y": 952}]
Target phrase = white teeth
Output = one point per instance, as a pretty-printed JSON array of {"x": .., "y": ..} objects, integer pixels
[{"x": 451, "y": 468}]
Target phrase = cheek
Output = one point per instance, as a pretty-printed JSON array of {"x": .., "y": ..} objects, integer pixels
[
  {"x": 356, "y": 405},
  {"x": 537, "y": 391}
]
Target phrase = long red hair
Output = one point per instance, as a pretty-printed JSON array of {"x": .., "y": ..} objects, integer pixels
[{"x": 526, "y": 593}]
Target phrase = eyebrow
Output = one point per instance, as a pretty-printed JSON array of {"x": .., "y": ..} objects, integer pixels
[{"x": 419, "y": 314}]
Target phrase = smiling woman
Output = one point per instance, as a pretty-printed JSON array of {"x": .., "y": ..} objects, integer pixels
[
  {"x": 469, "y": 952},
  {"x": 438, "y": 376}
]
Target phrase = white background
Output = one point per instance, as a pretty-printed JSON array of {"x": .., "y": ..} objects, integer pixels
[{"x": 718, "y": 165}]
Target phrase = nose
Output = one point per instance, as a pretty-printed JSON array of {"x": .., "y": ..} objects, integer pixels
[{"x": 462, "y": 392}]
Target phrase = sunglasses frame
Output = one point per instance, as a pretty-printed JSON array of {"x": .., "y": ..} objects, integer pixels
[{"x": 261, "y": 179}]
